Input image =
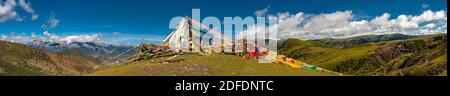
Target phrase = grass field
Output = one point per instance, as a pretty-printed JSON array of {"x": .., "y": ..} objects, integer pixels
[
  {"x": 343, "y": 55},
  {"x": 198, "y": 65}
]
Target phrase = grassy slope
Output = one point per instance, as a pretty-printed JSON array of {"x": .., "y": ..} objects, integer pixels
[
  {"x": 336, "y": 59},
  {"x": 303, "y": 50},
  {"x": 20, "y": 60},
  {"x": 418, "y": 56},
  {"x": 443, "y": 73},
  {"x": 197, "y": 65},
  {"x": 428, "y": 58},
  {"x": 346, "y": 42},
  {"x": 16, "y": 69},
  {"x": 325, "y": 56}
]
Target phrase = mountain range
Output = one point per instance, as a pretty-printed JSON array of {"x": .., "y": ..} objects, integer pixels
[
  {"x": 101, "y": 51},
  {"x": 21, "y": 60}
]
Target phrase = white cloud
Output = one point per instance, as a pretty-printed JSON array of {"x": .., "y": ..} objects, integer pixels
[
  {"x": 51, "y": 37},
  {"x": 52, "y": 22},
  {"x": 47, "y": 36},
  {"x": 342, "y": 24},
  {"x": 3, "y": 37},
  {"x": 430, "y": 26},
  {"x": 26, "y": 6},
  {"x": 335, "y": 20},
  {"x": 97, "y": 37},
  {"x": 8, "y": 12},
  {"x": 262, "y": 12},
  {"x": 7, "y": 7},
  {"x": 8, "y": 16},
  {"x": 17, "y": 38},
  {"x": 429, "y": 16},
  {"x": 82, "y": 38}
]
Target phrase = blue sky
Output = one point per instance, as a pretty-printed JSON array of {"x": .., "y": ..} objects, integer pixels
[{"x": 134, "y": 20}]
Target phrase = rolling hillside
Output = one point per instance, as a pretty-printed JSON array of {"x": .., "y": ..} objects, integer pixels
[
  {"x": 20, "y": 60},
  {"x": 303, "y": 50},
  {"x": 421, "y": 56},
  {"x": 200, "y": 65},
  {"x": 347, "y": 42}
]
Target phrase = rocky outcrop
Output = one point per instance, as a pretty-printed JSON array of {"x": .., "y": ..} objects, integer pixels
[
  {"x": 411, "y": 57},
  {"x": 421, "y": 56}
]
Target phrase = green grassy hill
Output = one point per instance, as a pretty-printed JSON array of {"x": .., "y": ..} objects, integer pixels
[
  {"x": 303, "y": 50},
  {"x": 417, "y": 56},
  {"x": 198, "y": 65},
  {"x": 346, "y": 42},
  {"x": 20, "y": 60}
]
